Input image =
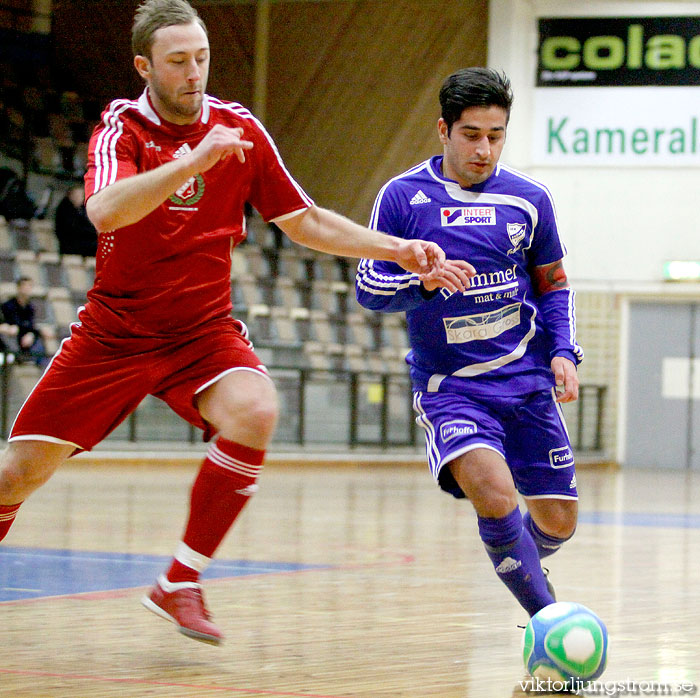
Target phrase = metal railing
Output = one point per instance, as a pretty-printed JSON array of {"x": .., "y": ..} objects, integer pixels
[
  {"x": 374, "y": 410},
  {"x": 587, "y": 431},
  {"x": 319, "y": 406},
  {"x": 6, "y": 362}
]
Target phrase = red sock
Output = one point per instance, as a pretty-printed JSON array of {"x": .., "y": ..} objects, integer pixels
[
  {"x": 222, "y": 488},
  {"x": 7, "y": 517}
]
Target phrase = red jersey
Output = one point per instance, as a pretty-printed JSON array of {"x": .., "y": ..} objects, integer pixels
[{"x": 170, "y": 271}]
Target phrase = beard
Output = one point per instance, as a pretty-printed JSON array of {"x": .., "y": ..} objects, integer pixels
[
  {"x": 185, "y": 107},
  {"x": 473, "y": 176}
]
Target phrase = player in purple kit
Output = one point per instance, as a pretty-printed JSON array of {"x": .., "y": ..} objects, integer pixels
[
  {"x": 488, "y": 365},
  {"x": 168, "y": 177}
]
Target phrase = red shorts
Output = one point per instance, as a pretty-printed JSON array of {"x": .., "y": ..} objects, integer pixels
[{"x": 94, "y": 382}]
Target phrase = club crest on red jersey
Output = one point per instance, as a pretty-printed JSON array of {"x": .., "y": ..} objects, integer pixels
[{"x": 190, "y": 192}]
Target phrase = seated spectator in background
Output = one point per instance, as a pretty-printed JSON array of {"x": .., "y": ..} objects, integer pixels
[
  {"x": 8, "y": 339},
  {"x": 75, "y": 233},
  {"x": 15, "y": 203},
  {"x": 19, "y": 311}
]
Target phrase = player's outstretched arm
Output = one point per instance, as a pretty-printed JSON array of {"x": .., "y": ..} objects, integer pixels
[
  {"x": 128, "y": 200},
  {"x": 327, "y": 231}
]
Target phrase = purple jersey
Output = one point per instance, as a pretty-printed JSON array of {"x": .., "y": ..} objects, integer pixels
[{"x": 497, "y": 337}]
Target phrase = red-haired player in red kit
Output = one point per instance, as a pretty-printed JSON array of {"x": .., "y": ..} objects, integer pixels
[{"x": 166, "y": 185}]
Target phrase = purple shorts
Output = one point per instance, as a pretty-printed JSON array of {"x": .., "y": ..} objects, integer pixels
[{"x": 527, "y": 430}]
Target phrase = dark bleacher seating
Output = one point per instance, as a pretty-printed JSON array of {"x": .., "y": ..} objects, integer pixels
[{"x": 297, "y": 297}]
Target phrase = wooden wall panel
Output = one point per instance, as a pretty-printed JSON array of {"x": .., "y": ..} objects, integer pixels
[
  {"x": 93, "y": 47},
  {"x": 16, "y": 15},
  {"x": 353, "y": 88},
  {"x": 232, "y": 40},
  {"x": 352, "y": 84}
]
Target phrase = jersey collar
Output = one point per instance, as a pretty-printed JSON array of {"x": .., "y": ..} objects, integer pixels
[{"x": 146, "y": 108}]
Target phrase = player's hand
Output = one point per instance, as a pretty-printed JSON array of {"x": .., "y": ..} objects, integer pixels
[
  {"x": 455, "y": 276},
  {"x": 27, "y": 340},
  {"x": 566, "y": 379},
  {"x": 218, "y": 144},
  {"x": 420, "y": 257}
]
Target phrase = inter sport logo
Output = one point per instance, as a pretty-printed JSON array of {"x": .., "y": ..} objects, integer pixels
[{"x": 468, "y": 215}]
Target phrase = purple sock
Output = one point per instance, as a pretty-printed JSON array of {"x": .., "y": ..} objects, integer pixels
[
  {"x": 546, "y": 544},
  {"x": 514, "y": 555}
]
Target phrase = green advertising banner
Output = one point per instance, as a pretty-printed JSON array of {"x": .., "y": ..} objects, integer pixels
[
  {"x": 641, "y": 102},
  {"x": 618, "y": 51}
]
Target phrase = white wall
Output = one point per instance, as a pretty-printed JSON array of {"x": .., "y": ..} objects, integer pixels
[{"x": 619, "y": 224}]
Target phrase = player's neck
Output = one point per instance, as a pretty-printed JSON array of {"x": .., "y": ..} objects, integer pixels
[
  {"x": 175, "y": 118},
  {"x": 448, "y": 173}
]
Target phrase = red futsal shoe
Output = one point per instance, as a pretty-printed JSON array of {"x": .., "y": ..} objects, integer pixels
[{"x": 182, "y": 603}]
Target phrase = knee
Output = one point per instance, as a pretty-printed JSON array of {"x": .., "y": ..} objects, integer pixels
[
  {"x": 254, "y": 413},
  {"x": 262, "y": 412},
  {"x": 492, "y": 498},
  {"x": 485, "y": 479},
  {"x": 497, "y": 505},
  {"x": 241, "y": 407},
  {"x": 559, "y": 521},
  {"x": 19, "y": 478}
]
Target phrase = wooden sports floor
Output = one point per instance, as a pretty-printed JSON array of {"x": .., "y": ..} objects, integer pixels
[{"x": 337, "y": 582}]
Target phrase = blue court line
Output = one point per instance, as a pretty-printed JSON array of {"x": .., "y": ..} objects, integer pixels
[
  {"x": 28, "y": 573},
  {"x": 648, "y": 519}
]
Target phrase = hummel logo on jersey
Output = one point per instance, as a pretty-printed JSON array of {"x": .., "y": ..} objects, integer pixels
[
  {"x": 420, "y": 198},
  {"x": 508, "y": 564},
  {"x": 572, "y": 484},
  {"x": 183, "y": 150}
]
